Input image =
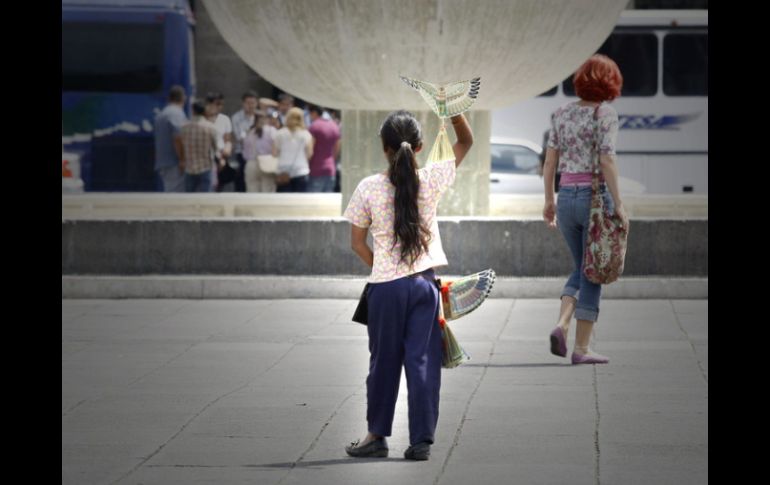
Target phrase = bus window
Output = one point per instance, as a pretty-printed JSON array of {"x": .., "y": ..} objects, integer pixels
[
  {"x": 550, "y": 92},
  {"x": 685, "y": 65},
  {"x": 637, "y": 58},
  {"x": 112, "y": 57}
]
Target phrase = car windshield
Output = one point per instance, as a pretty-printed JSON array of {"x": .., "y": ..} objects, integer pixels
[{"x": 510, "y": 158}]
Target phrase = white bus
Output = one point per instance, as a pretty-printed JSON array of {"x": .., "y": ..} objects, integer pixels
[{"x": 663, "y": 108}]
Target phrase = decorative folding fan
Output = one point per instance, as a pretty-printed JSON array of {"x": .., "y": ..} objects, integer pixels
[
  {"x": 459, "y": 298},
  {"x": 462, "y": 296}
]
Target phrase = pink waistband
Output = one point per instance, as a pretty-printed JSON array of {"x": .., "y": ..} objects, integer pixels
[{"x": 578, "y": 178}]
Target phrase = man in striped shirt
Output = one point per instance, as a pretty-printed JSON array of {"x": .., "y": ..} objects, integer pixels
[{"x": 197, "y": 142}]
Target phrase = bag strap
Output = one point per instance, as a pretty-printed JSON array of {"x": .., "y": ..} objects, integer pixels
[{"x": 595, "y": 153}]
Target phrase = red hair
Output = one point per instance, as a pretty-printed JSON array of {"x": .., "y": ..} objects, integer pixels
[{"x": 598, "y": 79}]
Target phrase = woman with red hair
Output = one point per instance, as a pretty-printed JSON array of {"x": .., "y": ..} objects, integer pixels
[{"x": 574, "y": 127}]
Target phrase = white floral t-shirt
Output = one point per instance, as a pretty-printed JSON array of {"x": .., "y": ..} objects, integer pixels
[
  {"x": 371, "y": 206},
  {"x": 572, "y": 133}
]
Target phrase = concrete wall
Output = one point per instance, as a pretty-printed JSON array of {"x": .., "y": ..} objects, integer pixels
[
  {"x": 219, "y": 68},
  {"x": 322, "y": 247},
  {"x": 101, "y": 205}
]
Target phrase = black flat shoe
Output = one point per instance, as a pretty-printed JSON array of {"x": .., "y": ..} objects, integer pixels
[{"x": 420, "y": 451}]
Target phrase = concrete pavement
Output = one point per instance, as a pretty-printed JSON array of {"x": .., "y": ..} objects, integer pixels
[{"x": 270, "y": 391}]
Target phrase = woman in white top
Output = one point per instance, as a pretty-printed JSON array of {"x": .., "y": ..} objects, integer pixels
[
  {"x": 293, "y": 146},
  {"x": 258, "y": 141},
  {"x": 214, "y": 104}
]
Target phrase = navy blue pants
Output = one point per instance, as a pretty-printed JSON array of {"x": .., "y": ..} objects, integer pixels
[{"x": 404, "y": 331}]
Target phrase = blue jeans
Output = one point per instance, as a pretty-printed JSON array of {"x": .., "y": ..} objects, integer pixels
[
  {"x": 200, "y": 182},
  {"x": 173, "y": 179},
  {"x": 324, "y": 183},
  {"x": 296, "y": 184},
  {"x": 572, "y": 209},
  {"x": 404, "y": 332}
]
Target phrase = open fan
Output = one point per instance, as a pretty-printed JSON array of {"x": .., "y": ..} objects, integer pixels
[{"x": 462, "y": 296}]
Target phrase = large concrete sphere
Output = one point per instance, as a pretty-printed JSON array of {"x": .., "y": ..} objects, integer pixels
[{"x": 348, "y": 54}]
